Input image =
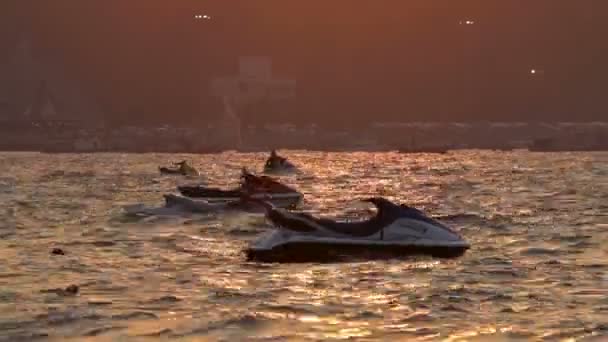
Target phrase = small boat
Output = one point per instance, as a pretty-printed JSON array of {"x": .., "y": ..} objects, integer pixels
[
  {"x": 395, "y": 230},
  {"x": 168, "y": 171},
  {"x": 182, "y": 168},
  {"x": 277, "y": 164},
  {"x": 258, "y": 187},
  {"x": 199, "y": 191}
]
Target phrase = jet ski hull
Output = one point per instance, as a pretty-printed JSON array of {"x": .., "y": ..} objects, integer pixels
[
  {"x": 340, "y": 251},
  {"x": 176, "y": 205},
  {"x": 214, "y": 195},
  {"x": 192, "y": 205},
  {"x": 204, "y": 192},
  {"x": 285, "y": 168},
  {"x": 286, "y": 201},
  {"x": 167, "y": 171}
]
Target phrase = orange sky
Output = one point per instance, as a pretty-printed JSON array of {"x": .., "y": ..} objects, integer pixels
[{"x": 398, "y": 56}]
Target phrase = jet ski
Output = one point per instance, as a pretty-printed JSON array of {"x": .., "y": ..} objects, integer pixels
[
  {"x": 395, "y": 230},
  {"x": 257, "y": 187},
  {"x": 178, "y": 205},
  {"x": 278, "y": 164},
  {"x": 167, "y": 171},
  {"x": 182, "y": 169},
  {"x": 199, "y": 191}
]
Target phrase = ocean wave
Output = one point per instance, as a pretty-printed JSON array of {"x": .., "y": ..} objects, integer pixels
[{"x": 535, "y": 230}]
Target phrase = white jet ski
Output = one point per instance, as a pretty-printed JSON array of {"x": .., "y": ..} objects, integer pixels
[
  {"x": 396, "y": 230},
  {"x": 182, "y": 168},
  {"x": 179, "y": 205}
]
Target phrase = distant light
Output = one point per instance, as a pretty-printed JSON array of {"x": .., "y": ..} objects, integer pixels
[
  {"x": 466, "y": 22},
  {"x": 533, "y": 71},
  {"x": 202, "y": 16}
]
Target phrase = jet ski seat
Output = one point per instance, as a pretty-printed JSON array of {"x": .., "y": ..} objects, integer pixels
[
  {"x": 290, "y": 223},
  {"x": 364, "y": 228}
]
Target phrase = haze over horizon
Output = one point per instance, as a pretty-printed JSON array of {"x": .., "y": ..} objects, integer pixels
[{"x": 352, "y": 60}]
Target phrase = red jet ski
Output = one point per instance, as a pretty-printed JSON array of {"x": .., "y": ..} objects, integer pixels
[{"x": 257, "y": 187}]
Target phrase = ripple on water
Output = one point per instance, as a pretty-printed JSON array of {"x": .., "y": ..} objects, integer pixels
[{"x": 536, "y": 269}]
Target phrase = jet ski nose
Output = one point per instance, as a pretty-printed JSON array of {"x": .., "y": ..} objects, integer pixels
[
  {"x": 373, "y": 200},
  {"x": 443, "y": 233},
  {"x": 379, "y": 202}
]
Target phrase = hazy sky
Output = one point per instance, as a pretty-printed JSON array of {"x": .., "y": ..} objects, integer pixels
[{"x": 408, "y": 60}]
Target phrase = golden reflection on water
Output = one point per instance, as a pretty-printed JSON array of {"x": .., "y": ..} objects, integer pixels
[
  {"x": 537, "y": 268},
  {"x": 480, "y": 332}
]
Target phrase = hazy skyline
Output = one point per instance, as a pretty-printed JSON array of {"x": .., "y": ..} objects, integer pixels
[{"x": 399, "y": 60}]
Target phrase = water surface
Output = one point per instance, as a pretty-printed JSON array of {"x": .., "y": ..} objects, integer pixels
[{"x": 537, "y": 269}]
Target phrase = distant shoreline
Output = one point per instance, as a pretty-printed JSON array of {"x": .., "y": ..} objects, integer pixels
[
  {"x": 327, "y": 150},
  {"x": 404, "y": 137}
]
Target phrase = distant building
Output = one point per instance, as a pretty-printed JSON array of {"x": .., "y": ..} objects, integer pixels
[
  {"x": 43, "y": 106},
  {"x": 230, "y": 125},
  {"x": 254, "y": 82}
]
